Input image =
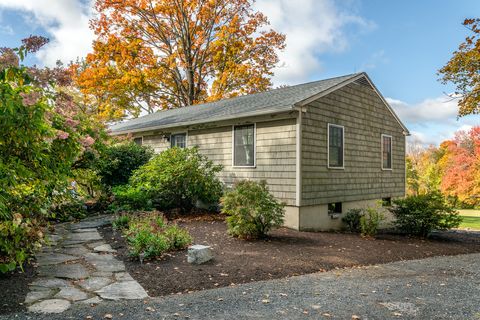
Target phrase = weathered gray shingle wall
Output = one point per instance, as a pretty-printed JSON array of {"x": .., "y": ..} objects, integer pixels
[
  {"x": 275, "y": 154},
  {"x": 364, "y": 116}
]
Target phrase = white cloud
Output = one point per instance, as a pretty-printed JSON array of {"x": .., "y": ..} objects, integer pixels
[
  {"x": 432, "y": 120},
  {"x": 437, "y": 109},
  {"x": 312, "y": 27},
  {"x": 65, "y": 21}
]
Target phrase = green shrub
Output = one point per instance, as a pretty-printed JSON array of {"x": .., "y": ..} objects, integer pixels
[
  {"x": 178, "y": 178},
  {"x": 121, "y": 222},
  {"x": 352, "y": 220},
  {"x": 150, "y": 236},
  {"x": 19, "y": 238},
  {"x": 117, "y": 162},
  {"x": 132, "y": 198},
  {"x": 421, "y": 214},
  {"x": 370, "y": 221},
  {"x": 68, "y": 210},
  {"x": 252, "y": 211}
]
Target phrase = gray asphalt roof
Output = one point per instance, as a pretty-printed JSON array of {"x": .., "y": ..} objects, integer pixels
[{"x": 272, "y": 101}]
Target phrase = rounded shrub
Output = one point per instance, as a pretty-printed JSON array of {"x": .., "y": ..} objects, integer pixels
[
  {"x": 117, "y": 162},
  {"x": 178, "y": 178},
  {"x": 419, "y": 215},
  {"x": 251, "y": 210}
]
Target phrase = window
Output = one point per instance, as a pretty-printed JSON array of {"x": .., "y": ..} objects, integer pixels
[
  {"x": 138, "y": 140},
  {"x": 335, "y": 146},
  {"x": 335, "y": 207},
  {"x": 386, "y": 152},
  {"x": 386, "y": 202},
  {"x": 244, "y": 145},
  {"x": 178, "y": 140}
]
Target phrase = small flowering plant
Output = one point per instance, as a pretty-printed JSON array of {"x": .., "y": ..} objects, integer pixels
[{"x": 44, "y": 134}]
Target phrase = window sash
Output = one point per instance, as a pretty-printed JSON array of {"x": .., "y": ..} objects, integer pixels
[
  {"x": 178, "y": 140},
  {"x": 335, "y": 146},
  {"x": 244, "y": 146},
  {"x": 386, "y": 152}
]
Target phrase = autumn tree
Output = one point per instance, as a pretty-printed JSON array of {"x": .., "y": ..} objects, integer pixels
[
  {"x": 463, "y": 70},
  {"x": 159, "y": 54}
]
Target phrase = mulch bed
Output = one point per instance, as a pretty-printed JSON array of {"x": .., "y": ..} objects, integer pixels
[
  {"x": 285, "y": 253},
  {"x": 14, "y": 288}
]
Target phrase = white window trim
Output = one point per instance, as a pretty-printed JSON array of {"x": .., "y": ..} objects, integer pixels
[
  {"x": 254, "y": 145},
  {"x": 328, "y": 146},
  {"x": 391, "y": 151},
  {"x": 180, "y": 132}
]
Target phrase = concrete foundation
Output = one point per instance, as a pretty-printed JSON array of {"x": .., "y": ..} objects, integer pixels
[{"x": 317, "y": 218}]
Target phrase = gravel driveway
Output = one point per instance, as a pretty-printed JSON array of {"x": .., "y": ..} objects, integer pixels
[{"x": 433, "y": 288}]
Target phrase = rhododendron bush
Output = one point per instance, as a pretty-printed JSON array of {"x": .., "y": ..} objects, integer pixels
[{"x": 44, "y": 132}]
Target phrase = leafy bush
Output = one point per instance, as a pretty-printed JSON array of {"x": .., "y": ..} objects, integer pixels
[
  {"x": 121, "y": 222},
  {"x": 68, "y": 210},
  {"x": 178, "y": 178},
  {"x": 252, "y": 210},
  {"x": 132, "y": 198},
  {"x": 150, "y": 236},
  {"x": 370, "y": 221},
  {"x": 117, "y": 162},
  {"x": 352, "y": 219},
  {"x": 419, "y": 215},
  {"x": 19, "y": 237}
]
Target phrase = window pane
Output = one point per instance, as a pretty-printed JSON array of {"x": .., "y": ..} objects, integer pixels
[
  {"x": 387, "y": 152},
  {"x": 178, "y": 140},
  {"x": 138, "y": 141},
  {"x": 244, "y": 146},
  {"x": 335, "y": 146}
]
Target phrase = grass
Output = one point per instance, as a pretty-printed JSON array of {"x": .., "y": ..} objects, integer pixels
[{"x": 471, "y": 219}]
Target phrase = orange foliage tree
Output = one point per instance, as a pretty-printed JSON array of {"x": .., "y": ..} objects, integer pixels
[
  {"x": 158, "y": 54},
  {"x": 452, "y": 168}
]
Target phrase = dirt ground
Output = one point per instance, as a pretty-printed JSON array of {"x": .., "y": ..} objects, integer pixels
[
  {"x": 14, "y": 288},
  {"x": 285, "y": 253}
]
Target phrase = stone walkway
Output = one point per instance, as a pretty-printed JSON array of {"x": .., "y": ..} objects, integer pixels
[{"x": 79, "y": 267}]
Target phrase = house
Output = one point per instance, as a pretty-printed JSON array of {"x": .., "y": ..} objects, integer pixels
[{"x": 323, "y": 147}]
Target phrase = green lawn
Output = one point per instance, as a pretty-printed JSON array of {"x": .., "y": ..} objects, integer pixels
[{"x": 471, "y": 219}]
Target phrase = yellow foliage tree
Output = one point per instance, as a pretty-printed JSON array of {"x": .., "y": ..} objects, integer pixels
[{"x": 160, "y": 54}]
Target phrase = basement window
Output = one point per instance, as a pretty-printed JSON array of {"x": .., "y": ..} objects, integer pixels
[
  {"x": 386, "y": 202},
  {"x": 335, "y": 208}
]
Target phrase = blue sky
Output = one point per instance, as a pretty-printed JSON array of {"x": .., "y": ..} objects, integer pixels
[{"x": 400, "y": 44}]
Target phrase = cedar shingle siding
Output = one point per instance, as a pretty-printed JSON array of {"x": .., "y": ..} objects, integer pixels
[
  {"x": 365, "y": 118},
  {"x": 275, "y": 154}
]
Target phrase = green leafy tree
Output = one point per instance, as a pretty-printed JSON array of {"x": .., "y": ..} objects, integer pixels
[{"x": 463, "y": 68}]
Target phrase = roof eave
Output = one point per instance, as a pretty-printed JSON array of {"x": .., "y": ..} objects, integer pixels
[{"x": 195, "y": 122}]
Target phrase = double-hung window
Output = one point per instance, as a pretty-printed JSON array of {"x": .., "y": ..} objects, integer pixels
[
  {"x": 244, "y": 146},
  {"x": 138, "y": 140},
  {"x": 178, "y": 140},
  {"x": 335, "y": 146},
  {"x": 386, "y": 152}
]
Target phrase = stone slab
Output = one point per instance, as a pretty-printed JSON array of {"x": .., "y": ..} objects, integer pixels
[
  {"x": 36, "y": 295},
  {"x": 95, "y": 283},
  {"x": 123, "y": 276},
  {"x": 50, "y": 283},
  {"x": 105, "y": 262},
  {"x": 53, "y": 258},
  {"x": 84, "y": 236},
  {"x": 77, "y": 250},
  {"x": 67, "y": 271},
  {"x": 89, "y": 224},
  {"x": 50, "y": 306},
  {"x": 72, "y": 294},
  {"x": 127, "y": 290},
  {"x": 94, "y": 300},
  {"x": 104, "y": 248}
]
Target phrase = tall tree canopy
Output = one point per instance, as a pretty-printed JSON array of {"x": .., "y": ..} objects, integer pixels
[
  {"x": 152, "y": 54},
  {"x": 463, "y": 70}
]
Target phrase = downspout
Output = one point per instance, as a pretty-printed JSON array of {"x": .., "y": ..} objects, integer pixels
[{"x": 298, "y": 155}]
